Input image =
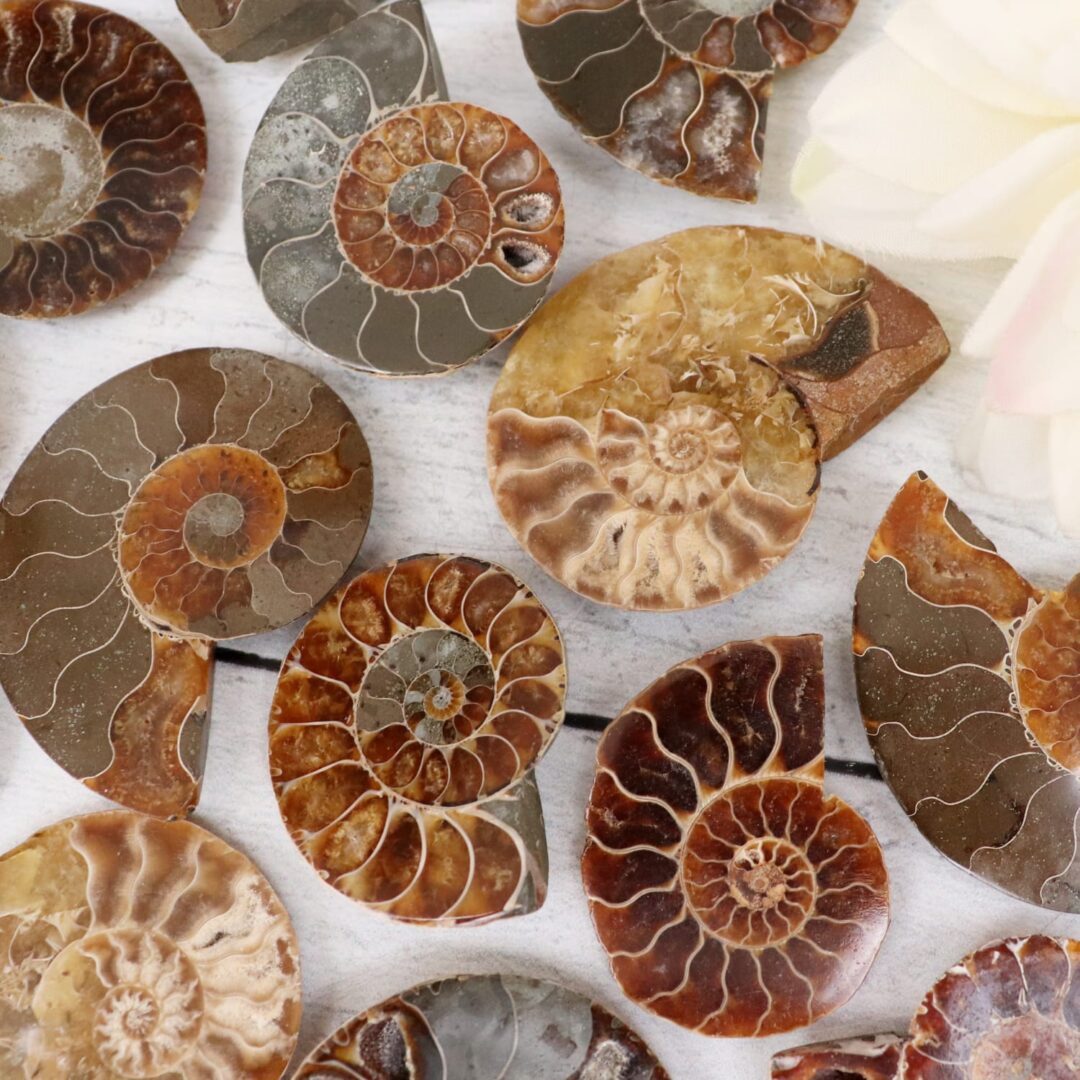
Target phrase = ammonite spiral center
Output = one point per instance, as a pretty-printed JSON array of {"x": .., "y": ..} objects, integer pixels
[
  {"x": 423, "y": 204},
  {"x": 51, "y": 170},
  {"x": 136, "y": 1008},
  {"x": 1029, "y": 1046}
]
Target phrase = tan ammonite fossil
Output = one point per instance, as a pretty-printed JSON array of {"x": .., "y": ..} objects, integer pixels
[
  {"x": 407, "y": 721},
  {"x": 733, "y": 895},
  {"x": 103, "y": 155},
  {"x": 202, "y": 496},
  {"x": 1009, "y": 1011},
  {"x": 655, "y": 439},
  {"x": 134, "y": 948}
]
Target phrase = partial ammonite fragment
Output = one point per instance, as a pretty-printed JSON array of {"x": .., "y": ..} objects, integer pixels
[
  {"x": 102, "y": 156},
  {"x": 485, "y": 1027},
  {"x": 393, "y": 230},
  {"x": 655, "y": 439},
  {"x": 132, "y": 948},
  {"x": 969, "y": 685},
  {"x": 407, "y": 721},
  {"x": 676, "y": 89},
  {"x": 871, "y": 1058},
  {"x": 202, "y": 496},
  {"x": 733, "y": 895}
]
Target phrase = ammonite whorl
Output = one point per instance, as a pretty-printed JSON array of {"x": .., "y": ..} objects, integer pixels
[
  {"x": 202, "y": 496},
  {"x": 969, "y": 685},
  {"x": 654, "y": 440},
  {"x": 676, "y": 89},
  {"x": 871, "y": 1058},
  {"x": 407, "y": 720},
  {"x": 102, "y": 156},
  {"x": 733, "y": 895},
  {"x": 134, "y": 948},
  {"x": 398, "y": 233},
  {"x": 484, "y": 1027}
]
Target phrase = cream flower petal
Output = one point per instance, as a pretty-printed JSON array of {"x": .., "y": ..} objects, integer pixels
[{"x": 1065, "y": 471}]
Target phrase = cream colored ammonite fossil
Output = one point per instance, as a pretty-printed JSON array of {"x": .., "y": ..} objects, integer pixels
[
  {"x": 102, "y": 156},
  {"x": 676, "y": 89},
  {"x": 484, "y": 1027},
  {"x": 397, "y": 232},
  {"x": 969, "y": 685},
  {"x": 1010, "y": 1011},
  {"x": 407, "y": 720},
  {"x": 654, "y": 440},
  {"x": 204, "y": 495},
  {"x": 733, "y": 895},
  {"x": 133, "y": 948}
]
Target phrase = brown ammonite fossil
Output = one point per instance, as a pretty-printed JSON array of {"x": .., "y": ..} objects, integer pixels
[
  {"x": 134, "y": 948},
  {"x": 676, "y": 89},
  {"x": 655, "y": 438},
  {"x": 406, "y": 724},
  {"x": 969, "y": 686},
  {"x": 104, "y": 153},
  {"x": 201, "y": 496},
  {"x": 733, "y": 895},
  {"x": 1009, "y": 1011}
]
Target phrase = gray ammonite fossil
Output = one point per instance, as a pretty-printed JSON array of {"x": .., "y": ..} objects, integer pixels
[{"x": 392, "y": 229}]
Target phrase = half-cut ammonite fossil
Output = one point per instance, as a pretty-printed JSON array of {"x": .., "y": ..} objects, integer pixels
[
  {"x": 398, "y": 233},
  {"x": 102, "y": 156},
  {"x": 133, "y": 948},
  {"x": 732, "y": 894},
  {"x": 654, "y": 440},
  {"x": 1010, "y": 1011},
  {"x": 407, "y": 721},
  {"x": 204, "y": 495},
  {"x": 676, "y": 89},
  {"x": 969, "y": 685},
  {"x": 485, "y": 1027}
]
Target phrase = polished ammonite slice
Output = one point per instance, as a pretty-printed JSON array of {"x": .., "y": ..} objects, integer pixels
[
  {"x": 733, "y": 895},
  {"x": 969, "y": 685},
  {"x": 102, "y": 156},
  {"x": 871, "y": 1058},
  {"x": 654, "y": 440},
  {"x": 204, "y": 495},
  {"x": 397, "y": 232},
  {"x": 676, "y": 89},
  {"x": 132, "y": 948},
  {"x": 485, "y": 1027},
  {"x": 407, "y": 721}
]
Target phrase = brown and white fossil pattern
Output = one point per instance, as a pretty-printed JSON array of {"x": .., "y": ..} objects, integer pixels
[
  {"x": 397, "y": 232},
  {"x": 654, "y": 440},
  {"x": 484, "y": 1027},
  {"x": 204, "y": 495},
  {"x": 407, "y": 720},
  {"x": 103, "y": 155},
  {"x": 733, "y": 895},
  {"x": 676, "y": 89},
  {"x": 131, "y": 948},
  {"x": 969, "y": 685}
]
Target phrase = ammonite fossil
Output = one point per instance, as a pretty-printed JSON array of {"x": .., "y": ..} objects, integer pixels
[
  {"x": 406, "y": 724},
  {"x": 676, "y": 89},
  {"x": 733, "y": 895},
  {"x": 102, "y": 156},
  {"x": 204, "y": 495},
  {"x": 484, "y": 1027},
  {"x": 1010, "y": 1011},
  {"x": 969, "y": 685},
  {"x": 654, "y": 440},
  {"x": 397, "y": 232},
  {"x": 131, "y": 947}
]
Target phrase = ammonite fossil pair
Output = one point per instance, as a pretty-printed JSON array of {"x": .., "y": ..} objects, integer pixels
[
  {"x": 656, "y": 437},
  {"x": 202, "y": 496},
  {"x": 733, "y": 895},
  {"x": 1009, "y": 1010},
  {"x": 396, "y": 231},
  {"x": 969, "y": 685},
  {"x": 104, "y": 152},
  {"x": 676, "y": 89}
]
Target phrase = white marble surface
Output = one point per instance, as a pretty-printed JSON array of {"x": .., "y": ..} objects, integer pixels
[{"x": 431, "y": 492}]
